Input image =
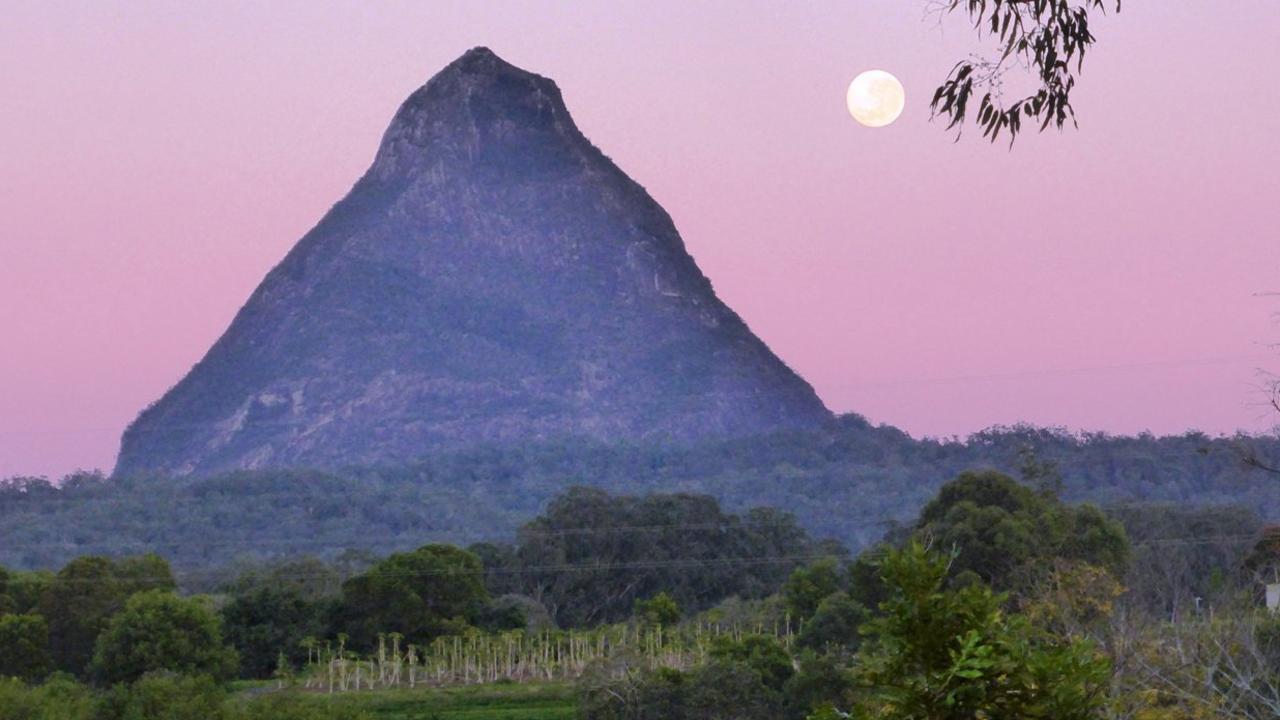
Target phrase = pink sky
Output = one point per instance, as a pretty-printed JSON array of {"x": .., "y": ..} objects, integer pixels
[{"x": 157, "y": 159}]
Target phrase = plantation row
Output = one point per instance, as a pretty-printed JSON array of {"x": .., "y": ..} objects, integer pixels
[{"x": 514, "y": 656}]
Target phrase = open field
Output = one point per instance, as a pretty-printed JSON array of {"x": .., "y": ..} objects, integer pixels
[{"x": 494, "y": 701}]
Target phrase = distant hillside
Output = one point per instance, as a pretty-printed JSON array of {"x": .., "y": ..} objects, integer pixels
[
  {"x": 492, "y": 279},
  {"x": 850, "y": 481}
]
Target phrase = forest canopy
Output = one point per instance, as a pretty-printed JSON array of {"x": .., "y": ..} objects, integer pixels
[{"x": 850, "y": 483}]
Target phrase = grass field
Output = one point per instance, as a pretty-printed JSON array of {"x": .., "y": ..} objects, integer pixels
[{"x": 497, "y": 701}]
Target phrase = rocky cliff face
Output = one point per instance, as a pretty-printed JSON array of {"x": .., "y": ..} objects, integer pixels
[{"x": 492, "y": 278}]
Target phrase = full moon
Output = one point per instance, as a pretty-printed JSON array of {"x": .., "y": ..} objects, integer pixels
[{"x": 876, "y": 98}]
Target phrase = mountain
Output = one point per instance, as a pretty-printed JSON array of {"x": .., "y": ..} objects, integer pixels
[{"x": 492, "y": 279}]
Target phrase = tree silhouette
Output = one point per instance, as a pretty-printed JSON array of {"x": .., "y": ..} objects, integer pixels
[{"x": 1045, "y": 39}]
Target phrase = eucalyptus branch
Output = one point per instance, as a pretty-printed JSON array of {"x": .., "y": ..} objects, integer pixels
[{"x": 1046, "y": 38}]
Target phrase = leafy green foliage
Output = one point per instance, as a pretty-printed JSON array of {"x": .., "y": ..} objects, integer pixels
[
  {"x": 720, "y": 689},
  {"x": 50, "y": 622},
  {"x": 24, "y": 647},
  {"x": 1181, "y": 553},
  {"x": 821, "y": 680},
  {"x": 268, "y": 621},
  {"x": 591, "y": 555},
  {"x": 1048, "y": 37},
  {"x": 141, "y": 573},
  {"x": 658, "y": 611},
  {"x": 752, "y": 677},
  {"x": 845, "y": 482},
  {"x": 24, "y": 590},
  {"x": 1004, "y": 532},
  {"x": 57, "y": 699},
  {"x": 159, "y": 631},
  {"x": 432, "y": 591},
  {"x": 165, "y": 696},
  {"x": 938, "y": 653},
  {"x": 510, "y": 612},
  {"x": 763, "y": 654},
  {"x": 808, "y": 586},
  {"x": 80, "y": 599},
  {"x": 835, "y": 625}
]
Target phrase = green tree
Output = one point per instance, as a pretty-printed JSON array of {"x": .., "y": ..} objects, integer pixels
[
  {"x": 809, "y": 586},
  {"x": 835, "y": 625},
  {"x": 24, "y": 647},
  {"x": 939, "y": 654},
  {"x": 764, "y": 655},
  {"x": 866, "y": 586},
  {"x": 81, "y": 598},
  {"x": 77, "y": 604},
  {"x": 821, "y": 680},
  {"x": 25, "y": 590},
  {"x": 144, "y": 572},
  {"x": 267, "y": 621},
  {"x": 159, "y": 631},
  {"x": 1007, "y": 533},
  {"x": 432, "y": 591},
  {"x": 661, "y": 609},
  {"x": 626, "y": 547},
  {"x": 722, "y": 690},
  {"x": 311, "y": 578},
  {"x": 1049, "y": 38}
]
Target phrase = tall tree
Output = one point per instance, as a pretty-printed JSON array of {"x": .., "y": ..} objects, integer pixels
[
  {"x": 1004, "y": 532},
  {"x": 77, "y": 604},
  {"x": 267, "y": 621},
  {"x": 159, "y": 631},
  {"x": 432, "y": 591},
  {"x": 86, "y": 592}
]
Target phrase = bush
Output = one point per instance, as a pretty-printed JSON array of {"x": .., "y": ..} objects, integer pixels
[
  {"x": 59, "y": 699},
  {"x": 165, "y": 696},
  {"x": 659, "y": 610},
  {"x": 764, "y": 655}
]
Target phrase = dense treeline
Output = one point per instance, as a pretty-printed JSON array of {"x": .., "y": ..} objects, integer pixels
[
  {"x": 847, "y": 482},
  {"x": 590, "y": 556},
  {"x": 997, "y": 600},
  {"x": 589, "y": 560}
]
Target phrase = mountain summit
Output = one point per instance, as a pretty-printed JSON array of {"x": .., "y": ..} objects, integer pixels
[{"x": 493, "y": 278}]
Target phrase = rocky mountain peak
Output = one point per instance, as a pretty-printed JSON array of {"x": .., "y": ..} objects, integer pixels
[
  {"x": 478, "y": 102},
  {"x": 493, "y": 279}
]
